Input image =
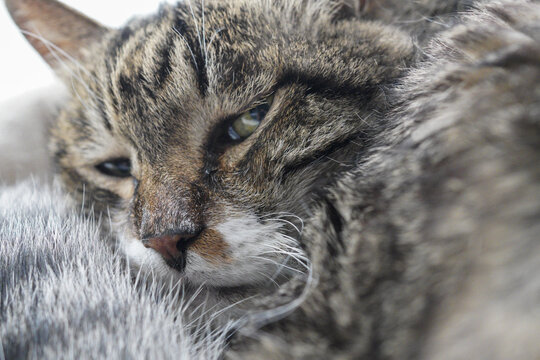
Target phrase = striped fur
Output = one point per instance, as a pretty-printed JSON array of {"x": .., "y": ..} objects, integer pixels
[
  {"x": 162, "y": 91},
  {"x": 428, "y": 248},
  {"x": 419, "y": 197}
]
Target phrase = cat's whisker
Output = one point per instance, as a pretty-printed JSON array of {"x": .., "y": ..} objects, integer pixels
[
  {"x": 278, "y": 251},
  {"x": 270, "y": 278},
  {"x": 214, "y": 35},
  {"x": 61, "y": 56},
  {"x": 75, "y": 71},
  {"x": 304, "y": 264},
  {"x": 291, "y": 250},
  {"x": 274, "y": 314},
  {"x": 287, "y": 256},
  {"x": 284, "y": 245},
  {"x": 291, "y": 244},
  {"x": 365, "y": 121},
  {"x": 339, "y": 162},
  {"x": 188, "y": 47},
  {"x": 215, "y": 315},
  {"x": 194, "y": 297},
  {"x": 204, "y": 304},
  {"x": 295, "y": 254},
  {"x": 276, "y": 263},
  {"x": 280, "y": 269},
  {"x": 218, "y": 313},
  {"x": 205, "y": 309},
  {"x": 286, "y": 222},
  {"x": 286, "y": 241},
  {"x": 204, "y": 35},
  {"x": 197, "y": 27},
  {"x": 285, "y": 214},
  {"x": 55, "y": 50}
]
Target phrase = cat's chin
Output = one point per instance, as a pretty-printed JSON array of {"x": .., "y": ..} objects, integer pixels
[{"x": 258, "y": 254}]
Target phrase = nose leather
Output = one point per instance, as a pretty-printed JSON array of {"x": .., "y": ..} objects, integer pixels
[{"x": 166, "y": 245}]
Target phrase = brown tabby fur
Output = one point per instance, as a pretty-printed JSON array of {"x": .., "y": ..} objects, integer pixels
[
  {"x": 429, "y": 248},
  {"x": 162, "y": 91}
]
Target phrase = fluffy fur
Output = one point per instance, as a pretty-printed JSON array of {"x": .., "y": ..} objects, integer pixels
[
  {"x": 429, "y": 247},
  {"x": 64, "y": 294},
  {"x": 161, "y": 93},
  {"x": 425, "y": 247}
]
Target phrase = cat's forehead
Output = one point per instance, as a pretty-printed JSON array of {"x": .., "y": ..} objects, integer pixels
[
  {"x": 164, "y": 79},
  {"x": 188, "y": 62}
]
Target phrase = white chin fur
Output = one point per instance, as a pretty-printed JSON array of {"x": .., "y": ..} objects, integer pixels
[{"x": 257, "y": 252}]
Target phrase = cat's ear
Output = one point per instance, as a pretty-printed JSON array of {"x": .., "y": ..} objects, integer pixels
[{"x": 55, "y": 30}]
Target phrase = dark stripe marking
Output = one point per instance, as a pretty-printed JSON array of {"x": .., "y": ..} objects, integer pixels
[{"x": 200, "y": 66}]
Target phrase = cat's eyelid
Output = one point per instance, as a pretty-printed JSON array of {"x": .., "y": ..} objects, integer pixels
[{"x": 260, "y": 101}]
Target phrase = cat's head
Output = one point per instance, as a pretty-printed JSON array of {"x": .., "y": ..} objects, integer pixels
[{"x": 204, "y": 131}]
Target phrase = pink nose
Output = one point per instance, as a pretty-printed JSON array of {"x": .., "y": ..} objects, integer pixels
[{"x": 171, "y": 247}]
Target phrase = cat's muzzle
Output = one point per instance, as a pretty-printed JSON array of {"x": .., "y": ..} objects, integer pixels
[{"x": 172, "y": 248}]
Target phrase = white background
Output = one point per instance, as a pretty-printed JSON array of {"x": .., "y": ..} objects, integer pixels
[{"x": 21, "y": 68}]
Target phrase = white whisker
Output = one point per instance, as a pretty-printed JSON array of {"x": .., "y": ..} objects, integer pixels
[
  {"x": 188, "y": 46},
  {"x": 276, "y": 263}
]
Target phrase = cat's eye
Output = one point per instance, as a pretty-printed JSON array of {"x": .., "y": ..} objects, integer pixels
[
  {"x": 248, "y": 122},
  {"x": 120, "y": 168}
]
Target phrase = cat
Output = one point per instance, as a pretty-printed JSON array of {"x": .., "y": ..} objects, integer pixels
[
  {"x": 420, "y": 19},
  {"x": 395, "y": 178},
  {"x": 205, "y": 144}
]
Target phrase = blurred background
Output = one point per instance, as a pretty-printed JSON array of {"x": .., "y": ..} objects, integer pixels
[{"x": 21, "y": 68}]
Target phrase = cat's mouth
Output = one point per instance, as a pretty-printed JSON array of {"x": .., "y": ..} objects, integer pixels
[
  {"x": 239, "y": 251},
  {"x": 178, "y": 263}
]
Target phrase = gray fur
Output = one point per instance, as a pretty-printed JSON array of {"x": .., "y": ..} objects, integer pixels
[{"x": 64, "y": 295}]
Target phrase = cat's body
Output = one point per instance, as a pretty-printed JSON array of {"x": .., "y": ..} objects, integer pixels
[
  {"x": 420, "y": 205},
  {"x": 429, "y": 248}
]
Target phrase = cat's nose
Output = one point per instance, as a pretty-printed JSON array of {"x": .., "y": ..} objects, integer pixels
[{"x": 170, "y": 247}]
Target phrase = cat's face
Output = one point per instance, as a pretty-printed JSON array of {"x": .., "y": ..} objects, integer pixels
[{"x": 204, "y": 131}]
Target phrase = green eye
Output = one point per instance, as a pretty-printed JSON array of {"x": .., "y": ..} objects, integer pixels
[{"x": 248, "y": 122}]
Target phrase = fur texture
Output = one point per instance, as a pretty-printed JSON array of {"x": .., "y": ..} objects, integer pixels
[
  {"x": 428, "y": 248},
  {"x": 421, "y": 241},
  {"x": 421, "y": 19},
  {"x": 65, "y": 295},
  {"x": 162, "y": 92}
]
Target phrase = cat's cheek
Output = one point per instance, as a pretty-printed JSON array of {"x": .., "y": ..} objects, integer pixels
[
  {"x": 199, "y": 272},
  {"x": 256, "y": 253}
]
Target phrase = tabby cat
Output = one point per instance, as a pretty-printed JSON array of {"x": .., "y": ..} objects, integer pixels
[
  {"x": 212, "y": 131},
  {"x": 203, "y": 132}
]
